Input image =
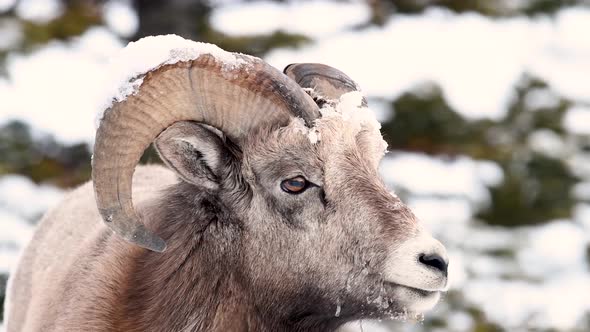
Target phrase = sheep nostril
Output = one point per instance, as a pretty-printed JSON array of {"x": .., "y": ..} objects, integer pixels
[{"x": 435, "y": 261}]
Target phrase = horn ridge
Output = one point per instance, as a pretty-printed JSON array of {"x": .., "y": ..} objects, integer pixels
[{"x": 235, "y": 99}]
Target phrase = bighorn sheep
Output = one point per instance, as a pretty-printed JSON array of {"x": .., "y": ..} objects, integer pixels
[{"x": 278, "y": 221}]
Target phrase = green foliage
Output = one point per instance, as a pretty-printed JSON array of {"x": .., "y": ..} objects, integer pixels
[
  {"x": 502, "y": 8},
  {"x": 535, "y": 188},
  {"x": 536, "y": 7},
  {"x": 42, "y": 158},
  {"x": 537, "y": 192},
  {"x": 257, "y": 45},
  {"x": 436, "y": 323},
  {"x": 425, "y": 122},
  {"x": 482, "y": 324},
  {"x": 77, "y": 18},
  {"x": 521, "y": 121},
  {"x": 485, "y": 7},
  {"x": 501, "y": 252},
  {"x": 189, "y": 19}
]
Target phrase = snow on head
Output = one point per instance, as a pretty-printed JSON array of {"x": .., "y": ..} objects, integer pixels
[
  {"x": 350, "y": 108},
  {"x": 353, "y": 107},
  {"x": 149, "y": 53}
]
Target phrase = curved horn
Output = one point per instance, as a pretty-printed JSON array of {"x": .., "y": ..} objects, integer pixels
[
  {"x": 234, "y": 99},
  {"x": 327, "y": 82}
]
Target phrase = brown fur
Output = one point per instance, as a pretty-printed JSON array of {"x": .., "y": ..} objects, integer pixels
[{"x": 243, "y": 256}]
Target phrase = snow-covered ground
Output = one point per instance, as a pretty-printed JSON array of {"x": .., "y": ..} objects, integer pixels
[{"x": 476, "y": 60}]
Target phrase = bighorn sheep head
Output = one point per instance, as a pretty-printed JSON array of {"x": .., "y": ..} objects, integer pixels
[{"x": 311, "y": 220}]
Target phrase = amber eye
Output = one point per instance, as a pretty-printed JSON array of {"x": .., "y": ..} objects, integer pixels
[{"x": 294, "y": 185}]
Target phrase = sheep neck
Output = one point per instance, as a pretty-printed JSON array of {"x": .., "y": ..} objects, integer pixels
[{"x": 196, "y": 284}]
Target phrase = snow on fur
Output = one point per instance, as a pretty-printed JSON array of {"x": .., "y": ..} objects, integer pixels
[{"x": 353, "y": 110}]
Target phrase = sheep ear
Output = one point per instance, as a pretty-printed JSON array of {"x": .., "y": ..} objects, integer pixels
[{"x": 193, "y": 151}]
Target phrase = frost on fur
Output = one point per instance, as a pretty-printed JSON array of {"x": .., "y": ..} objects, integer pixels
[{"x": 352, "y": 109}]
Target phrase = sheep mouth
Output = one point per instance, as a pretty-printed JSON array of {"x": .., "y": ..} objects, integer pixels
[
  {"x": 422, "y": 292},
  {"x": 418, "y": 291},
  {"x": 413, "y": 299}
]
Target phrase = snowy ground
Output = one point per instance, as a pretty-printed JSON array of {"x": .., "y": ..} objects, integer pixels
[{"x": 453, "y": 50}]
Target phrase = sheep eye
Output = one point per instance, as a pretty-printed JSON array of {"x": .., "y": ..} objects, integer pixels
[{"x": 294, "y": 185}]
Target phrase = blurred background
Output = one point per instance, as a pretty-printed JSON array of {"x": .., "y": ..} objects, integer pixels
[{"x": 485, "y": 106}]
